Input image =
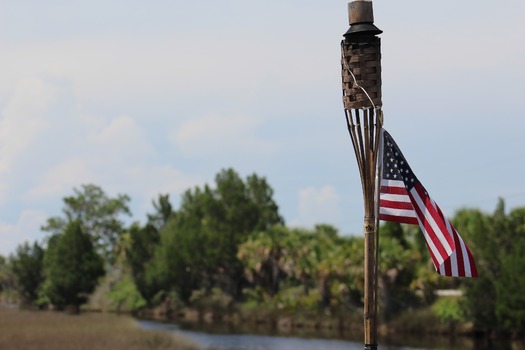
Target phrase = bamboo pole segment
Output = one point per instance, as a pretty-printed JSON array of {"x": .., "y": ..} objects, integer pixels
[{"x": 361, "y": 75}]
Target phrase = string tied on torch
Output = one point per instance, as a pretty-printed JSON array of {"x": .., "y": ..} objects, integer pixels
[{"x": 357, "y": 85}]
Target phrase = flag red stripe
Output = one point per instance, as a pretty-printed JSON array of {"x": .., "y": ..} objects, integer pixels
[
  {"x": 447, "y": 265},
  {"x": 472, "y": 263},
  {"x": 427, "y": 228},
  {"x": 385, "y": 203},
  {"x": 442, "y": 230},
  {"x": 450, "y": 232},
  {"x": 432, "y": 256},
  {"x": 393, "y": 190},
  {"x": 401, "y": 219},
  {"x": 395, "y": 203}
]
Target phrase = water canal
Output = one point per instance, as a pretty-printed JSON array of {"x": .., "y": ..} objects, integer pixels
[{"x": 221, "y": 339}]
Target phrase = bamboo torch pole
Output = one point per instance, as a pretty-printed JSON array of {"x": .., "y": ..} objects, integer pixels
[{"x": 361, "y": 75}]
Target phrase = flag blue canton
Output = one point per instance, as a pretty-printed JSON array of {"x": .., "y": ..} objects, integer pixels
[{"x": 395, "y": 166}]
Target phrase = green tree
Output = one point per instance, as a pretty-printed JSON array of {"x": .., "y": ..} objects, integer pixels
[
  {"x": 5, "y": 275},
  {"x": 8, "y": 289},
  {"x": 163, "y": 212},
  {"x": 319, "y": 259},
  {"x": 180, "y": 262},
  {"x": 477, "y": 229},
  {"x": 263, "y": 257},
  {"x": 494, "y": 300},
  {"x": 141, "y": 242},
  {"x": 72, "y": 267},
  {"x": 510, "y": 284},
  {"x": 339, "y": 267},
  {"x": 139, "y": 251},
  {"x": 509, "y": 288},
  {"x": 98, "y": 214},
  {"x": 206, "y": 232},
  {"x": 27, "y": 269},
  {"x": 397, "y": 270}
]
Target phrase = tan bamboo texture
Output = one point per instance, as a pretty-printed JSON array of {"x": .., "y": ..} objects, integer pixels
[{"x": 361, "y": 75}]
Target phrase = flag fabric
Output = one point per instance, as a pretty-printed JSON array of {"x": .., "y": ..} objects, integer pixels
[{"x": 403, "y": 199}]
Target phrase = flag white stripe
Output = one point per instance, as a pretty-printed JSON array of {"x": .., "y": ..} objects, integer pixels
[
  {"x": 448, "y": 225},
  {"x": 393, "y": 183},
  {"x": 398, "y": 198},
  {"x": 398, "y": 212},
  {"x": 430, "y": 243},
  {"x": 454, "y": 263},
  {"x": 430, "y": 219},
  {"x": 466, "y": 257},
  {"x": 395, "y": 197},
  {"x": 440, "y": 258},
  {"x": 442, "y": 270},
  {"x": 454, "y": 255}
]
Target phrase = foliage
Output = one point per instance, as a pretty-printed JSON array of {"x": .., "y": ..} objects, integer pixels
[
  {"x": 215, "y": 300},
  {"x": 417, "y": 321},
  {"x": 227, "y": 243},
  {"x": 510, "y": 298},
  {"x": 480, "y": 294},
  {"x": 403, "y": 271},
  {"x": 72, "y": 267},
  {"x": 124, "y": 295},
  {"x": 140, "y": 245},
  {"x": 27, "y": 269},
  {"x": 303, "y": 259},
  {"x": 139, "y": 252},
  {"x": 206, "y": 233},
  {"x": 97, "y": 213},
  {"x": 174, "y": 266},
  {"x": 448, "y": 309},
  {"x": 263, "y": 258},
  {"x": 163, "y": 212},
  {"x": 7, "y": 283},
  {"x": 494, "y": 300}
]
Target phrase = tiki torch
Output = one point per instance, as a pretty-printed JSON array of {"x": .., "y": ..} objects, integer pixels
[{"x": 361, "y": 75}]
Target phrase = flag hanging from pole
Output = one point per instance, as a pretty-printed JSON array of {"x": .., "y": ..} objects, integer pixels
[{"x": 403, "y": 199}]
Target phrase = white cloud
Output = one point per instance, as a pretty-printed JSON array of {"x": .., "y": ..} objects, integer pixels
[
  {"x": 213, "y": 135},
  {"x": 105, "y": 153},
  {"x": 120, "y": 140},
  {"x": 22, "y": 120},
  {"x": 60, "y": 179},
  {"x": 167, "y": 179},
  {"x": 26, "y": 229},
  {"x": 22, "y": 123},
  {"x": 317, "y": 205},
  {"x": 170, "y": 67},
  {"x": 145, "y": 184},
  {"x": 118, "y": 156}
]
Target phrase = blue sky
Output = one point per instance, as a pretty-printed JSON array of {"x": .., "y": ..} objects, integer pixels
[{"x": 155, "y": 97}]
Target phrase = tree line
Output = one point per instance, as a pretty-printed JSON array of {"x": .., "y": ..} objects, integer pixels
[{"x": 227, "y": 244}]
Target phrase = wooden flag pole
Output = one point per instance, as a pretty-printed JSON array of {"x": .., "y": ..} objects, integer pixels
[{"x": 361, "y": 75}]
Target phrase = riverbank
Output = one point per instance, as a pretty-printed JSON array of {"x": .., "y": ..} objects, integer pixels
[
  {"x": 39, "y": 330},
  {"x": 267, "y": 320},
  {"x": 420, "y": 328}
]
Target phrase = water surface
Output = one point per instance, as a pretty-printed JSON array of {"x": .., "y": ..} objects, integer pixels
[{"x": 233, "y": 341}]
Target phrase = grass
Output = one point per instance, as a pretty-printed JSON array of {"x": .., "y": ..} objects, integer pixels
[{"x": 38, "y": 330}]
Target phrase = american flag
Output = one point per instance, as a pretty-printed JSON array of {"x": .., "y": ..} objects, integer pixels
[{"x": 403, "y": 199}]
